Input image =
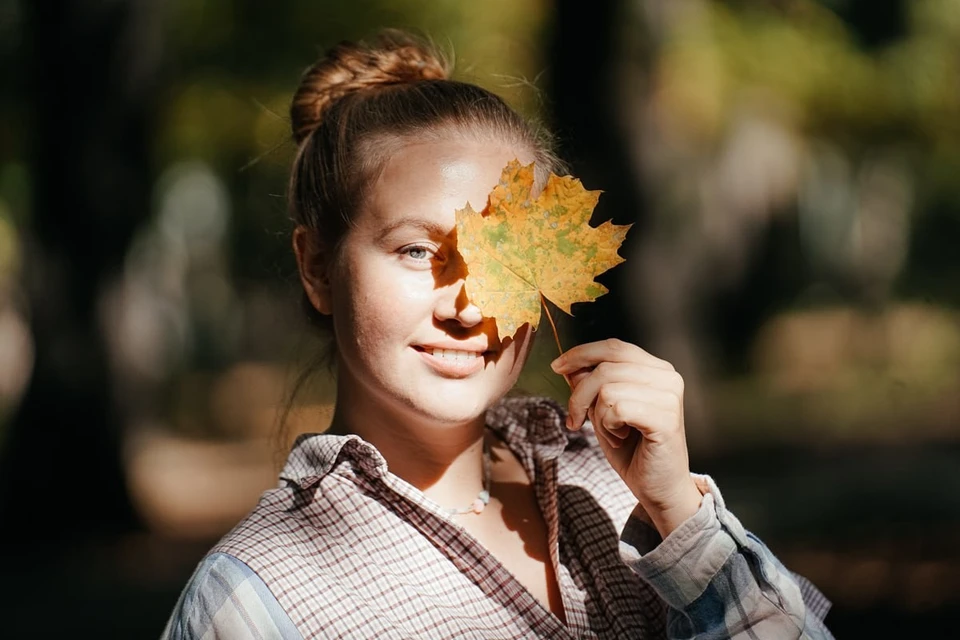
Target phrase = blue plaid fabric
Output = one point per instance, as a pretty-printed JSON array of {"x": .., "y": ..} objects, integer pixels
[{"x": 226, "y": 599}]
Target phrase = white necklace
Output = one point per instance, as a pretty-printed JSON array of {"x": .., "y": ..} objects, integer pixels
[{"x": 483, "y": 498}]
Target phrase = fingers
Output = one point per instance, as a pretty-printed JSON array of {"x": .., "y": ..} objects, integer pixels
[
  {"x": 605, "y": 436},
  {"x": 652, "y": 412},
  {"x": 617, "y": 381},
  {"x": 629, "y": 441},
  {"x": 591, "y": 354}
]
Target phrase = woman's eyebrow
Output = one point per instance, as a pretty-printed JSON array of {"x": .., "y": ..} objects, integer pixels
[{"x": 430, "y": 226}]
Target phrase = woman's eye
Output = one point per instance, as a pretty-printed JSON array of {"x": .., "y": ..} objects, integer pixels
[{"x": 419, "y": 252}]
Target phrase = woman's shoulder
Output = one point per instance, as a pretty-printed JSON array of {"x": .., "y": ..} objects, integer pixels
[
  {"x": 291, "y": 521},
  {"x": 225, "y": 596},
  {"x": 310, "y": 521},
  {"x": 318, "y": 489}
]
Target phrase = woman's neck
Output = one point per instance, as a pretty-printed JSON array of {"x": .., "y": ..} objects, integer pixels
[{"x": 443, "y": 460}]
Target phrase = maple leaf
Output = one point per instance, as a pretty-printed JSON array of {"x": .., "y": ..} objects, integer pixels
[{"x": 520, "y": 250}]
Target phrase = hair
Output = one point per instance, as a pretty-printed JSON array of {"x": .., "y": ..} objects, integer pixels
[{"x": 358, "y": 104}]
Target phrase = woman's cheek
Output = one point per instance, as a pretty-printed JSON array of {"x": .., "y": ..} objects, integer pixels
[
  {"x": 394, "y": 304},
  {"x": 418, "y": 287},
  {"x": 517, "y": 348}
]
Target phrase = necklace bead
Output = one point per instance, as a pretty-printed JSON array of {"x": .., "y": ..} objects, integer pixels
[{"x": 483, "y": 498}]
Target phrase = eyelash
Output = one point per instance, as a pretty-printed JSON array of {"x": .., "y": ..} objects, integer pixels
[{"x": 431, "y": 251}]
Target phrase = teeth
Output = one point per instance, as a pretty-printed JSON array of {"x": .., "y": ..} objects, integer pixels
[{"x": 450, "y": 354}]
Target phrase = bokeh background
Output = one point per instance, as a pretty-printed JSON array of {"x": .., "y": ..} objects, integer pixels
[{"x": 791, "y": 168}]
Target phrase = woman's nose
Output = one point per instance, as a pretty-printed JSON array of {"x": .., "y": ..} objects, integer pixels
[{"x": 454, "y": 305}]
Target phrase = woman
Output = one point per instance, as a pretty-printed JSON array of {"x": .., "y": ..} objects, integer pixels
[{"x": 434, "y": 507}]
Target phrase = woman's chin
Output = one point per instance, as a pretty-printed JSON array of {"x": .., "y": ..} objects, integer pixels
[{"x": 445, "y": 409}]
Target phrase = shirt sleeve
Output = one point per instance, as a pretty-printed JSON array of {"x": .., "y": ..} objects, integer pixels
[
  {"x": 719, "y": 580},
  {"x": 226, "y": 599}
]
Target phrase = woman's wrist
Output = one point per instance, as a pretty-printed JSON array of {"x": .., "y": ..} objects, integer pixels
[{"x": 668, "y": 517}]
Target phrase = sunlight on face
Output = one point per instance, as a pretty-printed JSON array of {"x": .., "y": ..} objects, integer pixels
[{"x": 409, "y": 342}]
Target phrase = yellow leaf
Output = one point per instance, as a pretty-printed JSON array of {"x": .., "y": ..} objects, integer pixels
[{"x": 520, "y": 248}]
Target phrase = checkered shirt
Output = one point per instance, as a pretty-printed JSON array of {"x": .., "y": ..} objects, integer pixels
[{"x": 345, "y": 549}]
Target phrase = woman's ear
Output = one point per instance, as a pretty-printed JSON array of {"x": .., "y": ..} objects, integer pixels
[{"x": 313, "y": 266}]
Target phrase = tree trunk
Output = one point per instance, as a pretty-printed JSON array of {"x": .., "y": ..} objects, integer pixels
[
  {"x": 584, "y": 93},
  {"x": 600, "y": 80},
  {"x": 92, "y": 68}
]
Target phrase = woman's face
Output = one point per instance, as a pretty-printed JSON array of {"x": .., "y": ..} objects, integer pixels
[{"x": 409, "y": 341}]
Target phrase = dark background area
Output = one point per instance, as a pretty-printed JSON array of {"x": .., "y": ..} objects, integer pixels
[{"x": 791, "y": 171}]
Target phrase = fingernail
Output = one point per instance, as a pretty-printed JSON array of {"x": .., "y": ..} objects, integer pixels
[
  {"x": 555, "y": 364},
  {"x": 569, "y": 422}
]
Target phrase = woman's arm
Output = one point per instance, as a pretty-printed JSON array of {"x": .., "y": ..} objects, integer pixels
[
  {"x": 226, "y": 599},
  {"x": 719, "y": 580}
]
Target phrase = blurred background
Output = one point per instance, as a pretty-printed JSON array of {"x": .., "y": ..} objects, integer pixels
[{"x": 791, "y": 168}]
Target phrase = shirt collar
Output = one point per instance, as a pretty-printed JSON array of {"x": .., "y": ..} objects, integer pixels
[
  {"x": 522, "y": 422},
  {"x": 314, "y": 455}
]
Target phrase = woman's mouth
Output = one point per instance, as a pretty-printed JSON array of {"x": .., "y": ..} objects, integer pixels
[
  {"x": 452, "y": 354},
  {"x": 452, "y": 363}
]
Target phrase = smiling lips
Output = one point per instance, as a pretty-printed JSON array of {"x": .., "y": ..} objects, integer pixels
[{"x": 452, "y": 363}]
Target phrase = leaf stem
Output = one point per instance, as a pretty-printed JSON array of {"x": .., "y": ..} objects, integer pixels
[{"x": 556, "y": 336}]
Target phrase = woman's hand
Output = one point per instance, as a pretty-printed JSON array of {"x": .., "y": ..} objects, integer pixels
[{"x": 635, "y": 402}]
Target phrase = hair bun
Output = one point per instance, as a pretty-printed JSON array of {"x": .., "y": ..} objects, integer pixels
[{"x": 396, "y": 58}]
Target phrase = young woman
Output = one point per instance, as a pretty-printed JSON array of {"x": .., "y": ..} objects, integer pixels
[{"x": 434, "y": 507}]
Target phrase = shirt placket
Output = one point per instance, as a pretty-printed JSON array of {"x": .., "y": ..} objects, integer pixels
[
  {"x": 473, "y": 559},
  {"x": 544, "y": 474}
]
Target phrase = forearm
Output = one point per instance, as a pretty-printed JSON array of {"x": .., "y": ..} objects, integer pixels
[{"x": 719, "y": 580}]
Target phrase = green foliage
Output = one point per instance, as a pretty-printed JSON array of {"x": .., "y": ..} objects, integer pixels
[{"x": 808, "y": 60}]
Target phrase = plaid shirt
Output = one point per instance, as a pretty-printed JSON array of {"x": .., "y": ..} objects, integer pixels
[{"x": 345, "y": 549}]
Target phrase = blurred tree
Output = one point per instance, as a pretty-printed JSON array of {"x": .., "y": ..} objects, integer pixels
[
  {"x": 877, "y": 23},
  {"x": 583, "y": 90},
  {"x": 91, "y": 80},
  {"x": 600, "y": 80},
  {"x": 772, "y": 155}
]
